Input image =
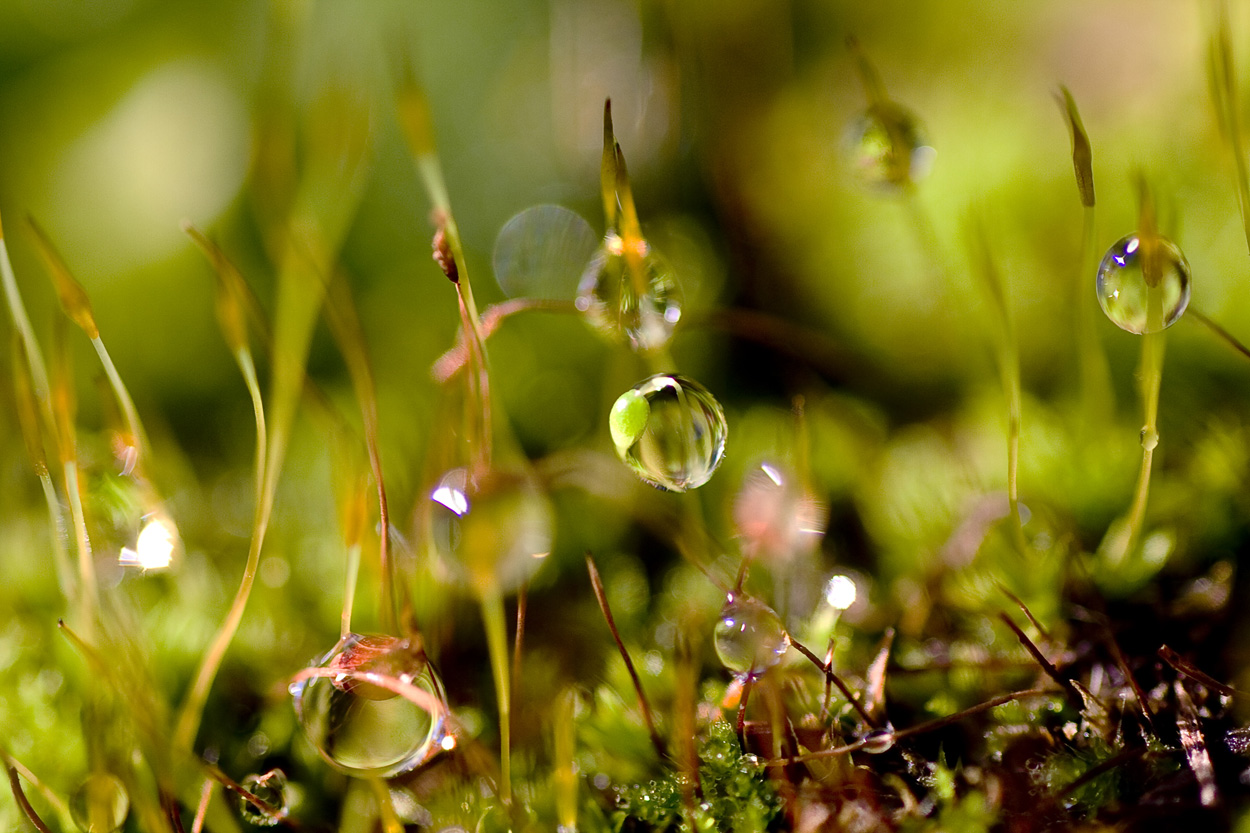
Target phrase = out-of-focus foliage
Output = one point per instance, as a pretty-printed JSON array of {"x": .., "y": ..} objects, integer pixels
[{"x": 843, "y": 324}]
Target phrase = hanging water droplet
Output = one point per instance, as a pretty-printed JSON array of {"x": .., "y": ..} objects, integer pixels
[
  {"x": 670, "y": 430},
  {"x": 269, "y": 788},
  {"x": 628, "y": 290},
  {"x": 1128, "y": 276},
  {"x": 878, "y": 741},
  {"x": 100, "y": 804},
  {"x": 775, "y": 516},
  {"x": 363, "y": 728},
  {"x": 491, "y": 531},
  {"x": 541, "y": 252},
  {"x": 888, "y": 147},
  {"x": 750, "y": 637}
]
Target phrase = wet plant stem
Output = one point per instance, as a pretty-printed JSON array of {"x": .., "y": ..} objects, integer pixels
[
  {"x": 386, "y": 810},
  {"x": 1150, "y": 377},
  {"x": 497, "y": 643},
  {"x": 197, "y": 696},
  {"x": 123, "y": 399},
  {"x": 21, "y": 322}
]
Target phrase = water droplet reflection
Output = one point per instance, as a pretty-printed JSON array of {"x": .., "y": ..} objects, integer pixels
[
  {"x": 888, "y": 147},
  {"x": 364, "y": 728},
  {"x": 670, "y": 430},
  {"x": 750, "y": 637},
  {"x": 629, "y": 291},
  {"x": 269, "y": 788},
  {"x": 1126, "y": 282},
  {"x": 100, "y": 804},
  {"x": 492, "y": 530}
]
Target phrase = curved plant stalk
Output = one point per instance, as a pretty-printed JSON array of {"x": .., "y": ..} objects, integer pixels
[
  {"x": 1096, "y": 388},
  {"x": 318, "y": 221},
  {"x": 21, "y": 323},
  {"x": 77, "y": 305}
]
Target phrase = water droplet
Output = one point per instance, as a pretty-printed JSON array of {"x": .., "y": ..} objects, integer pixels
[
  {"x": 100, "y": 805},
  {"x": 878, "y": 741},
  {"x": 1124, "y": 284},
  {"x": 775, "y": 516},
  {"x": 630, "y": 291},
  {"x": 492, "y": 530},
  {"x": 670, "y": 430},
  {"x": 750, "y": 637},
  {"x": 888, "y": 147},
  {"x": 269, "y": 788},
  {"x": 363, "y": 728},
  {"x": 541, "y": 252}
]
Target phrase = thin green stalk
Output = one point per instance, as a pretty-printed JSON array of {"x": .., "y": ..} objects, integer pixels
[
  {"x": 1222, "y": 77},
  {"x": 63, "y": 569},
  {"x": 497, "y": 642},
  {"x": 349, "y": 588},
  {"x": 1008, "y": 351},
  {"x": 1150, "y": 377},
  {"x": 38, "y": 371},
  {"x": 193, "y": 707},
  {"x": 123, "y": 398},
  {"x": 88, "y": 590},
  {"x": 1096, "y": 388}
]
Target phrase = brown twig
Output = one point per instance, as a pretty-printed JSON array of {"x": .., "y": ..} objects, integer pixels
[
  {"x": 602, "y": 597},
  {"x": 19, "y": 796},
  {"x": 830, "y": 676},
  {"x": 1051, "y": 671},
  {"x": 1189, "y": 670}
]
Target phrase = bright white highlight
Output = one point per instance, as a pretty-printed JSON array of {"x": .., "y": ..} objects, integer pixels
[
  {"x": 840, "y": 592},
  {"x": 154, "y": 549}
]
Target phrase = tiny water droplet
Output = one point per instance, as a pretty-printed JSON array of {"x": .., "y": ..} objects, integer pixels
[
  {"x": 629, "y": 291},
  {"x": 490, "y": 530},
  {"x": 1124, "y": 284},
  {"x": 100, "y": 804},
  {"x": 269, "y": 788},
  {"x": 750, "y": 637},
  {"x": 878, "y": 741},
  {"x": 362, "y": 728},
  {"x": 1149, "y": 439},
  {"x": 888, "y": 147},
  {"x": 670, "y": 430}
]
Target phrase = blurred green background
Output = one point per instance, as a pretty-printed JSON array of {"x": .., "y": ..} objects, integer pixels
[{"x": 121, "y": 118}]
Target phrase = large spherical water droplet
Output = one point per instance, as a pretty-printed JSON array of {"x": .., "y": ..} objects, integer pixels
[
  {"x": 365, "y": 729},
  {"x": 775, "y": 516},
  {"x": 630, "y": 292},
  {"x": 100, "y": 805},
  {"x": 878, "y": 741},
  {"x": 1124, "y": 288},
  {"x": 492, "y": 530},
  {"x": 269, "y": 788},
  {"x": 670, "y": 430},
  {"x": 750, "y": 637},
  {"x": 888, "y": 147}
]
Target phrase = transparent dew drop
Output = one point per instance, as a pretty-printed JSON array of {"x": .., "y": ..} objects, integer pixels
[
  {"x": 491, "y": 531},
  {"x": 541, "y": 252},
  {"x": 750, "y": 637},
  {"x": 1125, "y": 284},
  {"x": 878, "y": 741},
  {"x": 269, "y": 788},
  {"x": 100, "y": 804},
  {"x": 670, "y": 430},
  {"x": 888, "y": 147},
  {"x": 630, "y": 292},
  {"x": 364, "y": 729},
  {"x": 775, "y": 516}
]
